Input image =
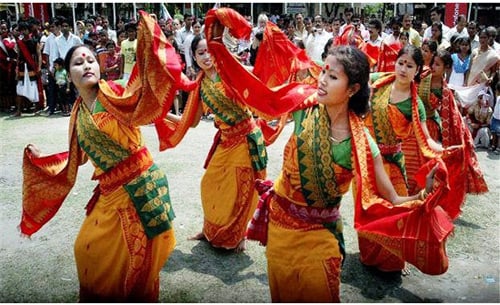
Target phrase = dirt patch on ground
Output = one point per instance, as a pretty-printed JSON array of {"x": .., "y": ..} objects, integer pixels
[{"x": 42, "y": 269}]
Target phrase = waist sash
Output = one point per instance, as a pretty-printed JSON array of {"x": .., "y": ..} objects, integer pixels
[
  {"x": 126, "y": 170},
  {"x": 308, "y": 214}
]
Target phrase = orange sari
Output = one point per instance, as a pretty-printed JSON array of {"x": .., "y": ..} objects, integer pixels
[{"x": 125, "y": 211}]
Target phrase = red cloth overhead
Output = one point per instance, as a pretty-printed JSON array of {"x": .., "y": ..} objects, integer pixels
[
  {"x": 387, "y": 57},
  {"x": 279, "y": 58},
  {"x": 252, "y": 90}
]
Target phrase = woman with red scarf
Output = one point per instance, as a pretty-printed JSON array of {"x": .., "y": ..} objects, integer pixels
[
  {"x": 466, "y": 176},
  {"x": 298, "y": 215}
]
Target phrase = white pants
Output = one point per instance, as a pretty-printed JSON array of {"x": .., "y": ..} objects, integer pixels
[{"x": 483, "y": 137}]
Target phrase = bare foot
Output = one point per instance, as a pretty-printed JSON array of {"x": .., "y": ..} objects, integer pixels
[
  {"x": 242, "y": 246},
  {"x": 199, "y": 236},
  {"x": 406, "y": 270}
]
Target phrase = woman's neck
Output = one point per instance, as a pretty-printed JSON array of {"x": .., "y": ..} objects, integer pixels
[
  {"x": 401, "y": 86},
  {"x": 338, "y": 115},
  {"x": 88, "y": 96},
  {"x": 437, "y": 81},
  {"x": 212, "y": 73}
]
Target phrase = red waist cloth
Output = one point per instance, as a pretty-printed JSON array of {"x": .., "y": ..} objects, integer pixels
[
  {"x": 386, "y": 149},
  {"x": 258, "y": 225}
]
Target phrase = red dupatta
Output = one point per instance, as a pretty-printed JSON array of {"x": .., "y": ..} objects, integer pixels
[
  {"x": 48, "y": 180},
  {"x": 465, "y": 173},
  {"x": 279, "y": 58},
  {"x": 158, "y": 88},
  {"x": 278, "y": 62},
  {"x": 387, "y": 57},
  {"x": 272, "y": 102},
  {"x": 27, "y": 55}
]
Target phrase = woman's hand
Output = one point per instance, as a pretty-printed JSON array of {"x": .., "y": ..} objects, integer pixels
[
  {"x": 429, "y": 181},
  {"x": 218, "y": 31},
  {"x": 34, "y": 151},
  {"x": 451, "y": 149}
]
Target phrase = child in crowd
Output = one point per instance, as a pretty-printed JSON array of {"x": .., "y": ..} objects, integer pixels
[
  {"x": 404, "y": 39},
  {"x": 62, "y": 86},
  {"x": 113, "y": 62},
  {"x": 495, "y": 122},
  {"x": 461, "y": 62},
  {"x": 479, "y": 118}
]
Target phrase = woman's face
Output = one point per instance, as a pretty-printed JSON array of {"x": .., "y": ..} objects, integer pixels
[
  {"x": 426, "y": 53},
  {"x": 197, "y": 28},
  {"x": 464, "y": 47},
  {"x": 438, "y": 68},
  {"x": 202, "y": 56},
  {"x": 435, "y": 32},
  {"x": 4, "y": 30},
  {"x": 406, "y": 68},
  {"x": 403, "y": 40},
  {"x": 483, "y": 39},
  {"x": 84, "y": 69},
  {"x": 177, "y": 24},
  {"x": 482, "y": 100},
  {"x": 333, "y": 83}
]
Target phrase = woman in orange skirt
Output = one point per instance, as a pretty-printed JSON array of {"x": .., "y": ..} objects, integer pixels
[{"x": 128, "y": 233}]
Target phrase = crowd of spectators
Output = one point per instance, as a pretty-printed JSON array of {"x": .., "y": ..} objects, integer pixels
[{"x": 31, "y": 82}]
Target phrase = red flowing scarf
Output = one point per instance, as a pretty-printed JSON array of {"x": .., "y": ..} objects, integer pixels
[
  {"x": 415, "y": 232},
  {"x": 271, "y": 101},
  {"x": 387, "y": 57}
]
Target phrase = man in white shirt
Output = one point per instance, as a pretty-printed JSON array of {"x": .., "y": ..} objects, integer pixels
[
  {"x": 460, "y": 27},
  {"x": 64, "y": 42},
  {"x": 67, "y": 39},
  {"x": 183, "y": 33},
  {"x": 436, "y": 16},
  {"x": 472, "y": 32},
  {"x": 492, "y": 34},
  {"x": 316, "y": 41},
  {"x": 374, "y": 28},
  {"x": 49, "y": 54},
  {"x": 111, "y": 32}
]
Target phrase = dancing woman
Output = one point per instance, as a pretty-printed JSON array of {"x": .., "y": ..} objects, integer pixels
[
  {"x": 298, "y": 215},
  {"x": 128, "y": 233},
  {"x": 465, "y": 173}
]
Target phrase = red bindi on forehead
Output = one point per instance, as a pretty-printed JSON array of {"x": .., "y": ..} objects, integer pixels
[{"x": 327, "y": 67}]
